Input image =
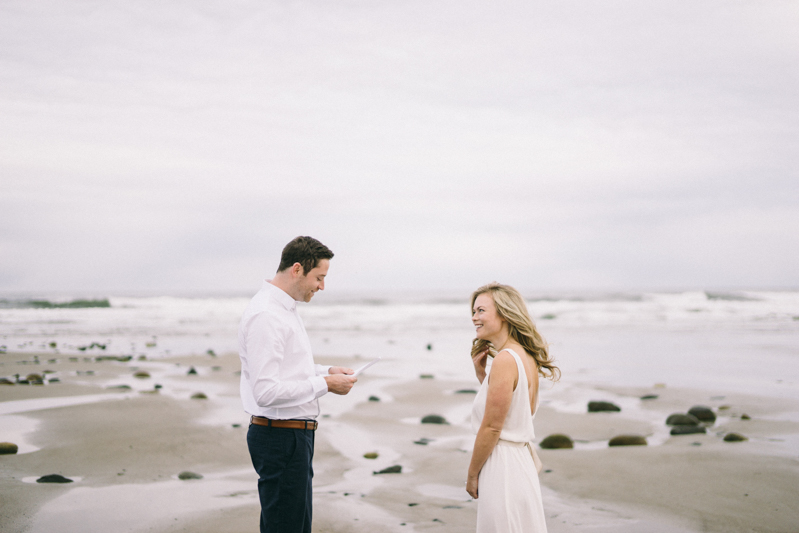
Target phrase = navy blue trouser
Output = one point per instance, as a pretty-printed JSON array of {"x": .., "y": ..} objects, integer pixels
[{"x": 282, "y": 457}]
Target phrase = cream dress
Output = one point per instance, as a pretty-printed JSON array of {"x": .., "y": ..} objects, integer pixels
[{"x": 509, "y": 494}]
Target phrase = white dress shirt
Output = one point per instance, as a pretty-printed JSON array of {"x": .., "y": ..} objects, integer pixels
[{"x": 278, "y": 377}]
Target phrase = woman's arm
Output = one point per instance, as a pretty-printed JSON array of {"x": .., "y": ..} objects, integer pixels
[{"x": 503, "y": 378}]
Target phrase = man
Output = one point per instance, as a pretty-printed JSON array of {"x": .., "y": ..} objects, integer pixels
[{"x": 280, "y": 386}]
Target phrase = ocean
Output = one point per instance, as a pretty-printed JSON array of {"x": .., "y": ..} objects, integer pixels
[{"x": 747, "y": 341}]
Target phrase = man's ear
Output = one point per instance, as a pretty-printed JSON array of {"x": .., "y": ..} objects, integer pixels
[{"x": 296, "y": 269}]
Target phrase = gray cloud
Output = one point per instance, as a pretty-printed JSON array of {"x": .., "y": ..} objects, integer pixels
[{"x": 433, "y": 146}]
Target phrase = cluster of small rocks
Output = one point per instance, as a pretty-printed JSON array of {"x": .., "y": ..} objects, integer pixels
[
  {"x": 30, "y": 379},
  {"x": 696, "y": 421}
]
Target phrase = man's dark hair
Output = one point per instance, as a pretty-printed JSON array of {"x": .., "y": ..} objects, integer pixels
[{"x": 306, "y": 251}]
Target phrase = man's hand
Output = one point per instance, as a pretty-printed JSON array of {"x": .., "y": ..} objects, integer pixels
[
  {"x": 340, "y": 383},
  {"x": 340, "y": 370}
]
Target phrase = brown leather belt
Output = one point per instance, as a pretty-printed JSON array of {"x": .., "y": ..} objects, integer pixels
[{"x": 290, "y": 424}]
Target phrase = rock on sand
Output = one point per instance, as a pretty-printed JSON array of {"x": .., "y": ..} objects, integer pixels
[
  {"x": 8, "y": 448},
  {"x": 680, "y": 419},
  {"x": 434, "y": 419},
  {"x": 598, "y": 407},
  {"x": 557, "y": 441},
  {"x": 53, "y": 478},
  {"x": 704, "y": 414},
  {"x": 627, "y": 440},
  {"x": 734, "y": 437}
]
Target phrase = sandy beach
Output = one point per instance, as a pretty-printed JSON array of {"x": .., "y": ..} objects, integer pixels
[{"x": 124, "y": 448}]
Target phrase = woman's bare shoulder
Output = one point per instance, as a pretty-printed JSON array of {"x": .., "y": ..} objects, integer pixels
[{"x": 504, "y": 362}]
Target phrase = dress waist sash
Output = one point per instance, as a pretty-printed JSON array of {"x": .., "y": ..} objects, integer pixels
[{"x": 537, "y": 460}]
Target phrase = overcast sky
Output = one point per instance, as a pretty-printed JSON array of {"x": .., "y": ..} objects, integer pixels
[{"x": 174, "y": 146}]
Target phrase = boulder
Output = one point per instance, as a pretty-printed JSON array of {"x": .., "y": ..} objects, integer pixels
[
  {"x": 557, "y": 441},
  {"x": 627, "y": 440},
  {"x": 8, "y": 448},
  {"x": 734, "y": 437},
  {"x": 6, "y": 381},
  {"x": 396, "y": 469},
  {"x": 434, "y": 419},
  {"x": 53, "y": 478},
  {"x": 704, "y": 414},
  {"x": 598, "y": 407},
  {"x": 687, "y": 430},
  {"x": 680, "y": 419},
  {"x": 189, "y": 475}
]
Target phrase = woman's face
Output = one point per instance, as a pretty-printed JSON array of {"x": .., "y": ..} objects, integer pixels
[{"x": 488, "y": 324}]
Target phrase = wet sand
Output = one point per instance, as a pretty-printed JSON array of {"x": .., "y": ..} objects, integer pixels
[{"x": 125, "y": 448}]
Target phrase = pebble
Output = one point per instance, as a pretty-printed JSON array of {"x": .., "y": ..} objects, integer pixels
[
  {"x": 192, "y": 372},
  {"x": 374, "y": 399},
  {"x": 189, "y": 475},
  {"x": 434, "y": 419},
  {"x": 370, "y": 455},
  {"x": 466, "y": 391},
  {"x": 650, "y": 397},
  {"x": 141, "y": 374},
  {"x": 746, "y": 417},
  {"x": 199, "y": 396}
]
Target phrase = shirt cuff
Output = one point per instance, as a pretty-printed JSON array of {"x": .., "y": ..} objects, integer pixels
[
  {"x": 322, "y": 370},
  {"x": 319, "y": 386}
]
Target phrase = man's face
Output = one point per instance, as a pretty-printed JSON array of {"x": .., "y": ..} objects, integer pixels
[{"x": 314, "y": 281}]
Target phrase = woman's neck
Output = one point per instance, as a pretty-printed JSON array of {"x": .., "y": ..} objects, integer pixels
[{"x": 502, "y": 341}]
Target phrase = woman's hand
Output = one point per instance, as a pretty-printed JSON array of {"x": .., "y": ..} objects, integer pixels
[
  {"x": 479, "y": 362},
  {"x": 471, "y": 486}
]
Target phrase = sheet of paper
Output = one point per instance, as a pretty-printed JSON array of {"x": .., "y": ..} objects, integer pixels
[{"x": 367, "y": 365}]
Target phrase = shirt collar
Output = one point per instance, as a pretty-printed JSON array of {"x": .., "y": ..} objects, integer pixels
[{"x": 280, "y": 295}]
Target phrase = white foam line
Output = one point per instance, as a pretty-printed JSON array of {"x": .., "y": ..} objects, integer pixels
[
  {"x": 16, "y": 429},
  {"x": 39, "y": 404}
]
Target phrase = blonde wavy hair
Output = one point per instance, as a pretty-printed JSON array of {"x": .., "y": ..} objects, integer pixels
[{"x": 513, "y": 310}]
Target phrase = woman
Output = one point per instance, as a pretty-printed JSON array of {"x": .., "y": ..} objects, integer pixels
[{"x": 503, "y": 473}]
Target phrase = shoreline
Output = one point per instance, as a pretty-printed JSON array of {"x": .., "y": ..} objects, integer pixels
[{"x": 141, "y": 439}]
